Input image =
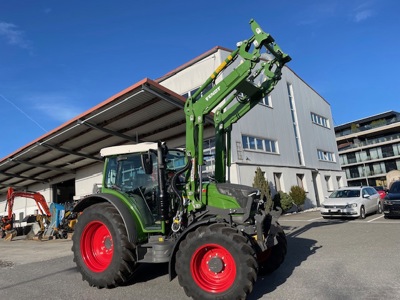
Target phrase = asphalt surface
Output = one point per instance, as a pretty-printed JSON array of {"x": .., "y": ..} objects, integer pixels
[{"x": 327, "y": 259}]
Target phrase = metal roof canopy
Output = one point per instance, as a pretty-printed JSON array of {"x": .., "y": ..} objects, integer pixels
[{"x": 144, "y": 112}]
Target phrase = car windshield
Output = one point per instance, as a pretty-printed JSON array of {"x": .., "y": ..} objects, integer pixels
[
  {"x": 379, "y": 188},
  {"x": 345, "y": 194}
]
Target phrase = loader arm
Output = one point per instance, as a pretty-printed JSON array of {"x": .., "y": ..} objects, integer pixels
[{"x": 240, "y": 85}]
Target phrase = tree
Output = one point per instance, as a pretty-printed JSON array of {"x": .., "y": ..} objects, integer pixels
[
  {"x": 298, "y": 194},
  {"x": 261, "y": 183}
]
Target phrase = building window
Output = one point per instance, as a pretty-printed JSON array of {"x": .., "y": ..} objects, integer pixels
[
  {"x": 300, "y": 178},
  {"x": 339, "y": 181},
  {"x": 209, "y": 156},
  {"x": 387, "y": 151},
  {"x": 277, "y": 181},
  {"x": 328, "y": 183},
  {"x": 267, "y": 101},
  {"x": 326, "y": 156},
  {"x": 254, "y": 143},
  {"x": 319, "y": 120},
  {"x": 351, "y": 158}
]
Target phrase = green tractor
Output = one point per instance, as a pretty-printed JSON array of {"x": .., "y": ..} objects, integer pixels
[{"x": 156, "y": 207}]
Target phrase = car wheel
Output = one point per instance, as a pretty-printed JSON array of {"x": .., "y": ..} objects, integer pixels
[
  {"x": 379, "y": 208},
  {"x": 362, "y": 212}
]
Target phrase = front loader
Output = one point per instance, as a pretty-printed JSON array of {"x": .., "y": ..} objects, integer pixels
[{"x": 155, "y": 206}]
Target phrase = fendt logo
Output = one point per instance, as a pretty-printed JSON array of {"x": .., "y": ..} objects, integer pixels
[{"x": 213, "y": 93}]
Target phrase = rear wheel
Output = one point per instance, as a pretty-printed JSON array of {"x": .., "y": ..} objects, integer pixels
[
  {"x": 216, "y": 262},
  {"x": 101, "y": 248},
  {"x": 271, "y": 259}
]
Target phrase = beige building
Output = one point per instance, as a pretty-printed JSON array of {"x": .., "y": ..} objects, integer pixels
[{"x": 369, "y": 148}]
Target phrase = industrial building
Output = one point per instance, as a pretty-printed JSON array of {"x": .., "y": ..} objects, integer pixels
[
  {"x": 289, "y": 135},
  {"x": 369, "y": 148}
]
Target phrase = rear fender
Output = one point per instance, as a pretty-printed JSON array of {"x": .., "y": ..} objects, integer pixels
[{"x": 128, "y": 217}]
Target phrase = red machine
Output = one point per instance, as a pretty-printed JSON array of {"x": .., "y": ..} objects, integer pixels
[{"x": 7, "y": 221}]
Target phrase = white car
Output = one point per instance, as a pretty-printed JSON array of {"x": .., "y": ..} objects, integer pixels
[{"x": 352, "y": 202}]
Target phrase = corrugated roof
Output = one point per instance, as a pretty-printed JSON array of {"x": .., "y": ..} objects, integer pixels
[{"x": 146, "y": 111}]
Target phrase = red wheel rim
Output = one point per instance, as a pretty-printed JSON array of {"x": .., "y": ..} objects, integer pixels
[
  {"x": 213, "y": 268},
  {"x": 97, "y": 246}
]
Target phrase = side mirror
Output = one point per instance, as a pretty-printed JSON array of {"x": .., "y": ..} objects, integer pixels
[{"x": 147, "y": 163}]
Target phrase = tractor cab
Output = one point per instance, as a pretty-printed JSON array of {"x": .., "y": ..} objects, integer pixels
[{"x": 133, "y": 170}]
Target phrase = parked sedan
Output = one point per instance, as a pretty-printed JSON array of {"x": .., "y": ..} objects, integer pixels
[
  {"x": 352, "y": 202},
  {"x": 391, "y": 203}
]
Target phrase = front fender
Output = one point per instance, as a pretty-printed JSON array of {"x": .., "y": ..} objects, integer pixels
[{"x": 128, "y": 217}]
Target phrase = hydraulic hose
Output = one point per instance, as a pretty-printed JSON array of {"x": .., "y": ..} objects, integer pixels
[{"x": 174, "y": 179}]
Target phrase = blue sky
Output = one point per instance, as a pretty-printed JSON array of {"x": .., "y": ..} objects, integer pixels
[{"x": 60, "y": 58}]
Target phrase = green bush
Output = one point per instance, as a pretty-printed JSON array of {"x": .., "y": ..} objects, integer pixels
[
  {"x": 283, "y": 200},
  {"x": 298, "y": 195}
]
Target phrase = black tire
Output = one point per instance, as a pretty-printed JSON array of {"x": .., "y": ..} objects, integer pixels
[
  {"x": 380, "y": 210},
  {"x": 271, "y": 259},
  {"x": 362, "y": 213},
  {"x": 216, "y": 262},
  {"x": 102, "y": 252}
]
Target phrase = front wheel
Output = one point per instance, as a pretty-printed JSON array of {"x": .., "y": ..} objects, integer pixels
[
  {"x": 216, "y": 262},
  {"x": 362, "y": 212},
  {"x": 102, "y": 252}
]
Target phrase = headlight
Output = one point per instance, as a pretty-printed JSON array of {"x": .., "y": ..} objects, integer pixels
[
  {"x": 387, "y": 202},
  {"x": 351, "y": 205}
]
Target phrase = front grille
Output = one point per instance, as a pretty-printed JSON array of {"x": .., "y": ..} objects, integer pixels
[{"x": 335, "y": 206}]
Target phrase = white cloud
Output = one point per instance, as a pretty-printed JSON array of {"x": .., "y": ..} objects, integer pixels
[
  {"x": 12, "y": 35},
  {"x": 58, "y": 108},
  {"x": 362, "y": 15},
  {"x": 363, "y": 11}
]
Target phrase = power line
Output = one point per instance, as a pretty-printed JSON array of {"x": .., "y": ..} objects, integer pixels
[{"x": 24, "y": 113}]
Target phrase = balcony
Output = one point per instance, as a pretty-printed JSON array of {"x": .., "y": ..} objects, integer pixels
[
  {"x": 385, "y": 139},
  {"x": 354, "y": 128}
]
